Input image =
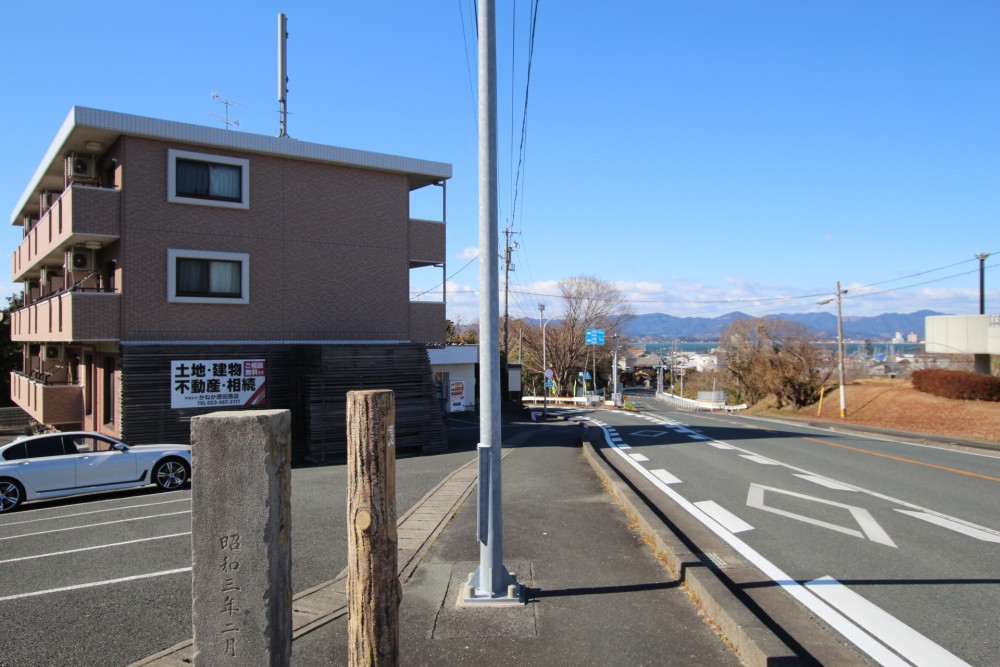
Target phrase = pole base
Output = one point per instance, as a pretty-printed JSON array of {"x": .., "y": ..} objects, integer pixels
[{"x": 513, "y": 596}]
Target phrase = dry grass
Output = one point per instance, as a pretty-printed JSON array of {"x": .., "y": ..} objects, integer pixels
[{"x": 894, "y": 404}]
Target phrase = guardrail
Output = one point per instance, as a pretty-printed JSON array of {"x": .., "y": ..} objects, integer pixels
[
  {"x": 691, "y": 404},
  {"x": 564, "y": 400}
]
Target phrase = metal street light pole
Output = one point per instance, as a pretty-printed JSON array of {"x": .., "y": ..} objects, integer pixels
[
  {"x": 491, "y": 582},
  {"x": 545, "y": 366},
  {"x": 614, "y": 374},
  {"x": 982, "y": 281}
]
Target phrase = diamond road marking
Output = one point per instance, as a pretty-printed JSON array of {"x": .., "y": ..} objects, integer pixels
[
  {"x": 650, "y": 434},
  {"x": 872, "y": 530}
]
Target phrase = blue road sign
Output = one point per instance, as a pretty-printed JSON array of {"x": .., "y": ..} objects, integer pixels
[
  {"x": 549, "y": 383},
  {"x": 594, "y": 337}
]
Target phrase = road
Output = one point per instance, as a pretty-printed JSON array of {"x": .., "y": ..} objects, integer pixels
[
  {"x": 106, "y": 580},
  {"x": 894, "y": 545}
]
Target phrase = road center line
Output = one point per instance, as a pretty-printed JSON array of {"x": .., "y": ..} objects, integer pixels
[
  {"x": 94, "y": 584},
  {"x": 901, "y": 459}
]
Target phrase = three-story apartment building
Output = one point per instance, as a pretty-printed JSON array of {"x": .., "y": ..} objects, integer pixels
[{"x": 171, "y": 270}]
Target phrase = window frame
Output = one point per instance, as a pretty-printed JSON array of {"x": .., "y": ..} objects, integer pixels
[
  {"x": 173, "y": 254},
  {"x": 173, "y": 155}
]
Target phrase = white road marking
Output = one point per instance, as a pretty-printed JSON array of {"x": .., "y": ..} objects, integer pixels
[
  {"x": 94, "y": 584},
  {"x": 759, "y": 459},
  {"x": 110, "y": 509},
  {"x": 719, "y": 445},
  {"x": 828, "y": 483},
  {"x": 909, "y": 643},
  {"x": 93, "y": 525},
  {"x": 872, "y": 530},
  {"x": 831, "y": 616},
  {"x": 665, "y": 476},
  {"x": 698, "y": 436},
  {"x": 729, "y": 521},
  {"x": 953, "y": 525},
  {"x": 99, "y": 546},
  {"x": 639, "y": 457}
]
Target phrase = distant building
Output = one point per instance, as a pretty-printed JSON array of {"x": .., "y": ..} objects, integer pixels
[{"x": 171, "y": 270}]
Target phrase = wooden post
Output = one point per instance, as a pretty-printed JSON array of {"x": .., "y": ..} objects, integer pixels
[{"x": 373, "y": 589}]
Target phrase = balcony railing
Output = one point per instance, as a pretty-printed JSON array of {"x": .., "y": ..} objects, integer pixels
[
  {"x": 75, "y": 315},
  {"x": 47, "y": 403},
  {"x": 427, "y": 322},
  {"x": 83, "y": 213},
  {"x": 427, "y": 242}
]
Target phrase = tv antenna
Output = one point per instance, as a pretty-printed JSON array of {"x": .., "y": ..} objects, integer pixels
[{"x": 225, "y": 119}]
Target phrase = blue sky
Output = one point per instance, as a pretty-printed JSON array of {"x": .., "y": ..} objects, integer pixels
[{"x": 704, "y": 157}]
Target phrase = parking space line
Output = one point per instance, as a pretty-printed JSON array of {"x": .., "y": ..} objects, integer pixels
[
  {"x": 99, "y": 546},
  {"x": 94, "y": 584},
  {"x": 93, "y": 525},
  {"x": 110, "y": 509}
]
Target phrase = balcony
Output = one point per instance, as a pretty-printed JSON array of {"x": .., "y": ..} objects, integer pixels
[
  {"x": 47, "y": 403},
  {"x": 427, "y": 243},
  {"x": 83, "y": 213},
  {"x": 427, "y": 322},
  {"x": 71, "y": 316}
]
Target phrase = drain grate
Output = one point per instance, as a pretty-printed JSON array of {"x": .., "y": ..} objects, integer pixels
[{"x": 713, "y": 560}]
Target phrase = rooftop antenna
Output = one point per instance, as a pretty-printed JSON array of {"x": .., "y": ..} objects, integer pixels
[
  {"x": 225, "y": 119},
  {"x": 282, "y": 75}
]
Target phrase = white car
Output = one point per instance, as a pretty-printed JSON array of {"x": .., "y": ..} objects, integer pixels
[{"x": 54, "y": 465}]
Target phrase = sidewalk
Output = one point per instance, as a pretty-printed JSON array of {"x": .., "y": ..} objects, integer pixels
[{"x": 597, "y": 595}]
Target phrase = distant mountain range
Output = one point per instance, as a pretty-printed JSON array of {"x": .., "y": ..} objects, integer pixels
[{"x": 660, "y": 327}]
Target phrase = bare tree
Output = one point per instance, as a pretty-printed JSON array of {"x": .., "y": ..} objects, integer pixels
[
  {"x": 776, "y": 357},
  {"x": 588, "y": 303}
]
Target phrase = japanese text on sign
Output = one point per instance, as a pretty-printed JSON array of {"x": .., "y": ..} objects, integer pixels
[{"x": 213, "y": 384}]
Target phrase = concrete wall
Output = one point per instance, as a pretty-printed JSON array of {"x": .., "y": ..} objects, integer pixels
[{"x": 963, "y": 334}]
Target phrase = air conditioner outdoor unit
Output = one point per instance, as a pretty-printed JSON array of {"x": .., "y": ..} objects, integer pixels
[
  {"x": 53, "y": 352},
  {"x": 80, "y": 260},
  {"x": 46, "y": 199},
  {"x": 81, "y": 167}
]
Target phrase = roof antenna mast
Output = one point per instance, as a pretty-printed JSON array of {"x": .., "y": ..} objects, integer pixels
[
  {"x": 225, "y": 119},
  {"x": 282, "y": 75}
]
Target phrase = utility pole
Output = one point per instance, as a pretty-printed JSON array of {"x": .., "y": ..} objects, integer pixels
[
  {"x": 491, "y": 582},
  {"x": 840, "y": 349},
  {"x": 507, "y": 268}
]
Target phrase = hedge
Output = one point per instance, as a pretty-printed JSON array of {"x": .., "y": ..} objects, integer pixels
[{"x": 957, "y": 384}]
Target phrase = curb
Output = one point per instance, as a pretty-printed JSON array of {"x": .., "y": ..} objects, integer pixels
[{"x": 753, "y": 642}]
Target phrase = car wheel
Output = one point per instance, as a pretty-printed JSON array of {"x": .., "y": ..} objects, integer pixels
[
  {"x": 11, "y": 495},
  {"x": 171, "y": 474}
]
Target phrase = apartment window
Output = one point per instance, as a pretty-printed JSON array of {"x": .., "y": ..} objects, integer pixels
[
  {"x": 207, "y": 180},
  {"x": 199, "y": 276}
]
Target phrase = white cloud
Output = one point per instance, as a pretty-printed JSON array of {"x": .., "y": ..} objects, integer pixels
[{"x": 468, "y": 253}]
